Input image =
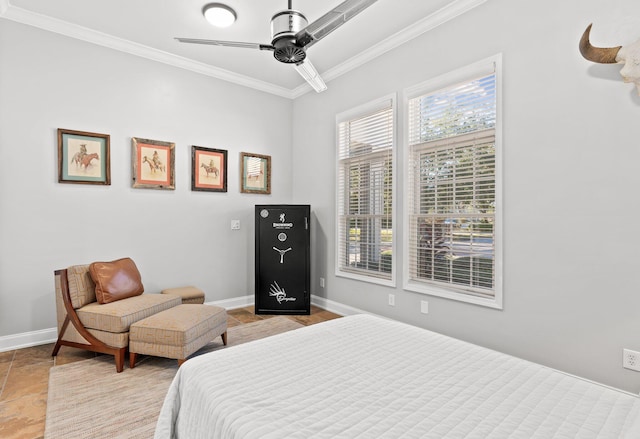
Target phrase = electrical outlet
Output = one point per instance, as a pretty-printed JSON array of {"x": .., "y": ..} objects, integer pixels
[
  {"x": 322, "y": 282},
  {"x": 235, "y": 224},
  {"x": 631, "y": 359},
  {"x": 392, "y": 300},
  {"x": 424, "y": 307}
]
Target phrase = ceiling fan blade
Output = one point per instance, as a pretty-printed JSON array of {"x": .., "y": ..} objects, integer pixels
[
  {"x": 310, "y": 74},
  {"x": 330, "y": 21},
  {"x": 227, "y": 43}
]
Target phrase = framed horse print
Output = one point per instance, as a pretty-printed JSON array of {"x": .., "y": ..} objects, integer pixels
[
  {"x": 83, "y": 157},
  {"x": 255, "y": 173},
  {"x": 208, "y": 169},
  {"x": 153, "y": 164}
]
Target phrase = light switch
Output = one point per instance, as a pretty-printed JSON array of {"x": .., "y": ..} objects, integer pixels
[{"x": 235, "y": 224}]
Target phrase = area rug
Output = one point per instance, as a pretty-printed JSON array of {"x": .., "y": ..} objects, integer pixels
[{"x": 88, "y": 399}]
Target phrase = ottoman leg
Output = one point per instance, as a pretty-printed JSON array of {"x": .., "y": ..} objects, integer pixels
[
  {"x": 224, "y": 338},
  {"x": 132, "y": 359}
]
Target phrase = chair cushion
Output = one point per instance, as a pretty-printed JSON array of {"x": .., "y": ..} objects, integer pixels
[
  {"x": 116, "y": 280},
  {"x": 119, "y": 315},
  {"x": 81, "y": 286}
]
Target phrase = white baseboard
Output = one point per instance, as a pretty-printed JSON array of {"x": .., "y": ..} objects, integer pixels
[
  {"x": 329, "y": 305},
  {"x": 234, "y": 302},
  {"x": 28, "y": 339},
  {"x": 44, "y": 336},
  {"x": 339, "y": 308}
]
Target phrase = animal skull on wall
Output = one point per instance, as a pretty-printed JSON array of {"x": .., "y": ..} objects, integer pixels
[{"x": 629, "y": 55}]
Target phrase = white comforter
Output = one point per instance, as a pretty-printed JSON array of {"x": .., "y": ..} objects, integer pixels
[{"x": 366, "y": 377}]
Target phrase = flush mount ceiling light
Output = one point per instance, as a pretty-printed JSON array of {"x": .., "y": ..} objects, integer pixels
[{"x": 219, "y": 15}]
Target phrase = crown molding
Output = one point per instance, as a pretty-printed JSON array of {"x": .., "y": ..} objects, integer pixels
[
  {"x": 420, "y": 27},
  {"x": 55, "y": 25}
]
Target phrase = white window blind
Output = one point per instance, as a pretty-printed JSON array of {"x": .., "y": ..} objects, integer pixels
[
  {"x": 365, "y": 192},
  {"x": 451, "y": 199}
]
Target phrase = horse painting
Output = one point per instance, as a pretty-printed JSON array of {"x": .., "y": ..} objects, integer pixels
[
  {"x": 153, "y": 167},
  {"x": 76, "y": 158},
  {"x": 85, "y": 161},
  {"x": 210, "y": 170}
]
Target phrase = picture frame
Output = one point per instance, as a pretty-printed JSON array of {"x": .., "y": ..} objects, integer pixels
[
  {"x": 255, "y": 173},
  {"x": 83, "y": 157},
  {"x": 208, "y": 169},
  {"x": 153, "y": 164}
]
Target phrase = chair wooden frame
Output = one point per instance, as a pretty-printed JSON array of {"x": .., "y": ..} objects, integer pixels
[{"x": 94, "y": 345}]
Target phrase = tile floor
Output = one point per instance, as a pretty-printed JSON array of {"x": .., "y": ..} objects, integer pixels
[{"x": 24, "y": 376}]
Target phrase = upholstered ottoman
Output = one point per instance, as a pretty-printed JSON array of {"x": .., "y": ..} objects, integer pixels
[
  {"x": 177, "y": 332},
  {"x": 188, "y": 294}
]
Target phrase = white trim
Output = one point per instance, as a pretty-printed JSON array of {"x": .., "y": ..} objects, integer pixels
[
  {"x": 339, "y": 308},
  {"x": 370, "y": 107},
  {"x": 234, "y": 302},
  {"x": 62, "y": 27},
  {"x": 102, "y": 39},
  {"x": 369, "y": 278},
  {"x": 458, "y": 75},
  {"x": 418, "y": 28},
  {"x": 28, "y": 339},
  {"x": 45, "y": 336},
  {"x": 434, "y": 84},
  {"x": 35, "y": 338}
]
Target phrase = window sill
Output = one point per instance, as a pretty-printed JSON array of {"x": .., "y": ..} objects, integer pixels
[
  {"x": 434, "y": 290},
  {"x": 364, "y": 278}
]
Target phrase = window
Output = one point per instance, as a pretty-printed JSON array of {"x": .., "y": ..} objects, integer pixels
[
  {"x": 453, "y": 201},
  {"x": 365, "y": 185}
]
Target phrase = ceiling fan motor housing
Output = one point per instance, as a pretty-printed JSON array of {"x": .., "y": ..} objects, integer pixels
[{"x": 284, "y": 26}]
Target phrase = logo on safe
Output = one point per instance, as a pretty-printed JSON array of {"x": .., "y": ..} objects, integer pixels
[
  {"x": 279, "y": 293},
  {"x": 282, "y": 224}
]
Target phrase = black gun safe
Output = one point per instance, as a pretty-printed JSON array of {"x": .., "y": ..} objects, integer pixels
[{"x": 283, "y": 247}]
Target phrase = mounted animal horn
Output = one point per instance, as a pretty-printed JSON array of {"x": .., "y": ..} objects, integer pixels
[{"x": 600, "y": 55}]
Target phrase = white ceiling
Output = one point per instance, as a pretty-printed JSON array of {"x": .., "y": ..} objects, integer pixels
[{"x": 148, "y": 27}]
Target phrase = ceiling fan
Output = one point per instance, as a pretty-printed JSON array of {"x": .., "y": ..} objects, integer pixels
[{"x": 292, "y": 36}]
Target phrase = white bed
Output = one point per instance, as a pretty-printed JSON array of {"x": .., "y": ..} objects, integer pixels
[{"x": 366, "y": 377}]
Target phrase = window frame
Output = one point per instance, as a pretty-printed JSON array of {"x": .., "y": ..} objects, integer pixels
[
  {"x": 352, "y": 114},
  {"x": 487, "y": 66}
]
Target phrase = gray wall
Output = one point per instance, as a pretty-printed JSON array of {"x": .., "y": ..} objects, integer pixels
[
  {"x": 571, "y": 299},
  {"x": 571, "y": 154},
  {"x": 180, "y": 237}
]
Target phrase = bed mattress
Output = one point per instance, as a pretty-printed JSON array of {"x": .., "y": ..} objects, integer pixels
[{"x": 368, "y": 377}]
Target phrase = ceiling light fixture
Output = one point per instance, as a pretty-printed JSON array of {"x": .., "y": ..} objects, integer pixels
[{"x": 219, "y": 15}]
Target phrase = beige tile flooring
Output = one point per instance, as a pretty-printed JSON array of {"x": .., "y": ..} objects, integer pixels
[{"x": 24, "y": 376}]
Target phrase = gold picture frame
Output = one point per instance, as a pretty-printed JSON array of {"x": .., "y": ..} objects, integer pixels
[
  {"x": 255, "y": 173},
  {"x": 153, "y": 164}
]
